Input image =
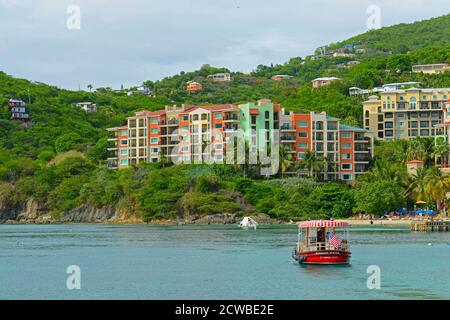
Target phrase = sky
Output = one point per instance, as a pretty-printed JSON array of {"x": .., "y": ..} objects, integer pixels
[{"x": 118, "y": 42}]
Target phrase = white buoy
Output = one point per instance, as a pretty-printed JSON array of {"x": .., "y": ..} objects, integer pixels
[{"x": 430, "y": 244}]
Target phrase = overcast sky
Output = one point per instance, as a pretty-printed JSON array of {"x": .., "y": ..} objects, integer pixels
[{"x": 127, "y": 42}]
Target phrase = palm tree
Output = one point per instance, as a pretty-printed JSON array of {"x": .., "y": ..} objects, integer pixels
[
  {"x": 285, "y": 159},
  {"x": 90, "y": 86},
  {"x": 436, "y": 186},
  {"x": 417, "y": 185},
  {"x": 441, "y": 151},
  {"x": 312, "y": 162}
]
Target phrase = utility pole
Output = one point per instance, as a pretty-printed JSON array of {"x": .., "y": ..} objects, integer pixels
[{"x": 29, "y": 97}]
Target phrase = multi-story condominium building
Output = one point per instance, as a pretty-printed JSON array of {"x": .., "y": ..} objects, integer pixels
[
  {"x": 219, "y": 77},
  {"x": 319, "y": 82},
  {"x": 18, "y": 110},
  {"x": 182, "y": 134},
  {"x": 431, "y": 68},
  {"x": 405, "y": 114}
]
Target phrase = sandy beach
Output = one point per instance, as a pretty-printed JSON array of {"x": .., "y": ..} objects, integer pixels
[{"x": 387, "y": 222}]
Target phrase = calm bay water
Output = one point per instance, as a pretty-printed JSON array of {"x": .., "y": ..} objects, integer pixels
[{"x": 214, "y": 262}]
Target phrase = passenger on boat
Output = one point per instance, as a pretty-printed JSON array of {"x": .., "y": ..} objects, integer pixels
[{"x": 321, "y": 239}]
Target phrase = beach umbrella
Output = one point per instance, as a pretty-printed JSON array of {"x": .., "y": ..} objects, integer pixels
[
  {"x": 430, "y": 212},
  {"x": 420, "y": 211},
  {"x": 401, "y": 211}
]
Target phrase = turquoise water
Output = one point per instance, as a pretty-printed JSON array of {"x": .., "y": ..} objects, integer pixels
[{"x": 214, "y": 262}]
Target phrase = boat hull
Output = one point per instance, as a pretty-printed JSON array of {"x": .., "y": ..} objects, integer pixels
[{"x": 325, "y": 257}]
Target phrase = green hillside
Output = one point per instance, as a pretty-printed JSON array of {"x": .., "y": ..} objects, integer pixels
[
  {"x": 59, "y": 160},
  {"x": 406, "y": 37}
]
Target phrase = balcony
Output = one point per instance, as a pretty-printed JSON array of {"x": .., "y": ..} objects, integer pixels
[
  {"x": 287, "y": 139},
  {"x": 170, "y": 123},
  {"x": 231, "y": 117},
  {"x": 286, "y": 128}
]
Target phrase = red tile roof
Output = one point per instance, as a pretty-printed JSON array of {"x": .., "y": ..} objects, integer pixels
[{"x": 215, "y": 107}]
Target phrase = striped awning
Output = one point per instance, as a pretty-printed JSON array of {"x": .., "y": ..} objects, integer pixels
[{"x": 322, "y": 223}]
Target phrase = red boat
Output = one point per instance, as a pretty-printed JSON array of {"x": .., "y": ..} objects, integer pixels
[{"x": 322, "y": 242}]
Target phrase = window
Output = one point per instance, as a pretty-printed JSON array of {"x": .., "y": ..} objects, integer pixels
[
  {"x": 424, "y": 132},
  {"x": 184, "y": 148},
  {"x": 401, "y": 98},
  {"x": 154, "y": 130},
  {"x": 346, "y": 156},
  {"x": 401, "y": 124},
  {"x": 185, "y": 118},
  {"x": 218, "y": 126},
  {"x": 253, "y": 119},
  {"x": 346, "y": 135},
  {"x": 346, "y": 145},
  {"x": 124, "y": 152},
  {"x": 154, "y": 140},
  {"x": 154, "y": 150},
  {"x": 218, "y": 116},
  {"x": 388, "y": 124},
  {"x": 413, "y": 124},
  {"x": 300, "y": 155},
  {"x": 185, "y": 128},
  {"x": 412, "y": 103},
  {"x": 218, "y": 136},
  {"x": 347, "y": 177},
  {"x": 303, "y": 145},
  {"x": 154, "y": 120},
  {"x": 346, "y": 166},
  {"x": 400, "y": 115},
  {"x": 332, "y": 126},
  {"x": 267, "y": 113},
  {"x": 123, "y": 132},
  {"x": 123, "y": 162},
  {"x": 195, "y": 117},
  {"x": 303, "y": 124},
  {"x": 124, "y": 142},
  {"x": 218, "y": 147},
  {"x": 303, "y": 134}
]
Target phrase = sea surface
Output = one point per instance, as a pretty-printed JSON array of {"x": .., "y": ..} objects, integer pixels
[{"x": 214, "y": 262}]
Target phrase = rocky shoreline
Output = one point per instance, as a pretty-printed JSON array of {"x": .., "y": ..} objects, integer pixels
[{"x": 33, "y": 212}]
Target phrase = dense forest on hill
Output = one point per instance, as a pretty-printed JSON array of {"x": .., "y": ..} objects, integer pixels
[{"x": 60, "y": 159}]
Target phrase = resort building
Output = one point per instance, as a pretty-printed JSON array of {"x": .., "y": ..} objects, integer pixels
[
  {"x": 18, "y": 110},
  {"x": 443, "y": 134},
  {"x": 219, "y": 77},
  {"x": 355, "y": 91},
  {"x": 319, "y": 82},
  {"x": 144, "y": 90},
  {"x": 431, "y": 68},
  {"x": 280, "y": 77},
  {"x": 201, "y": 134},
  {"x": 193, "y": 86},
  {"x": 405, "y": 113},
  {"x": 87, "y": 106}
]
